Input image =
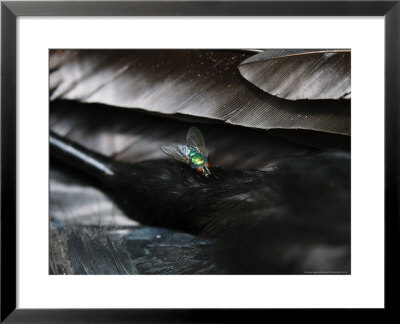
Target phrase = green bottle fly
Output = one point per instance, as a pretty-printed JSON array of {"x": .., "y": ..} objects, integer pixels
[{"x": 193, "y": 153}]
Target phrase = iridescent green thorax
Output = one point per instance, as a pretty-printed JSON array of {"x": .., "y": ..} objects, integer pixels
[{"x": 196, "y": 158}]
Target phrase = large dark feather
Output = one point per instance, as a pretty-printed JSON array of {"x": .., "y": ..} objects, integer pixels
[{"x": 189, "y": 83}]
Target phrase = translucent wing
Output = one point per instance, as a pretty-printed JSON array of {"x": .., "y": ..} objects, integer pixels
[
  {"x": 173, "y": 151},
  {"x": 194, "y": 138}
]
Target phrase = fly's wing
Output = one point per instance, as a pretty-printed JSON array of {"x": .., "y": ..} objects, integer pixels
[
  {"x": 173, "y": 151},
  {"x": 194, "y": 138}
]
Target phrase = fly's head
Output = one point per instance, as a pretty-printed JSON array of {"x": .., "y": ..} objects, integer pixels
[{"x": 204, "y": 170}]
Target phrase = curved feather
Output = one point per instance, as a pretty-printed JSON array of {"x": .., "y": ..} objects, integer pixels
[{"x": 301, "y": 74}]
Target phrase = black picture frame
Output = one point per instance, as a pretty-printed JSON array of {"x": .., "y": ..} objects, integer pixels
[{"x": 10, "y": 10}]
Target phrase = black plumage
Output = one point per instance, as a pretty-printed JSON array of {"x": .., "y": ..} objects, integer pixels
[{"x": 294, "y": 218}]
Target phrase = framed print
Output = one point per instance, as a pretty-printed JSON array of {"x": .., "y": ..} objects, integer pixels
[{"x": 184, "y": 156}]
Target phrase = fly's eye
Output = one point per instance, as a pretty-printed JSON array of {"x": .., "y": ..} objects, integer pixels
[
  {"x": 199, "y": 170},
  {"x": 208, "y": 165}
]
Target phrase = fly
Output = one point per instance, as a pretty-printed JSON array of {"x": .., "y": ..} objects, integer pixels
[{"x": 193, "y": 153}]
